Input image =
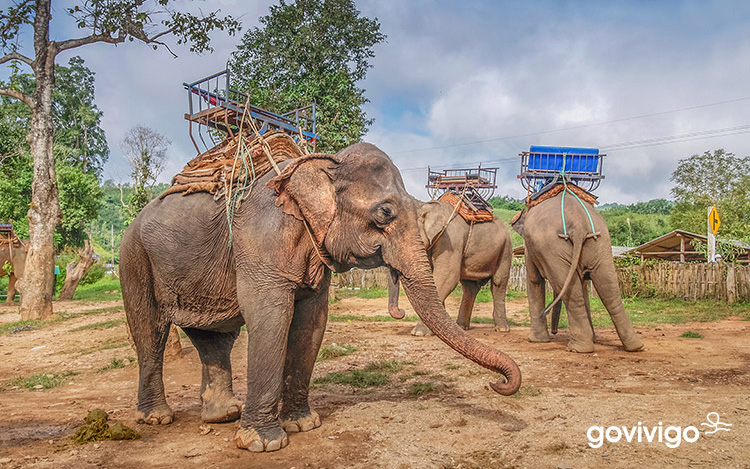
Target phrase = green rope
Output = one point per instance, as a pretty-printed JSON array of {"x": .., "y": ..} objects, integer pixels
[
  {"x": 562, "y": 201},
  {"x": 246, "y": 179}
]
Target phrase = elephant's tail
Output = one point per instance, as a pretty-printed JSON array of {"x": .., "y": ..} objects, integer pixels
[{"x": 577, "y": 248}]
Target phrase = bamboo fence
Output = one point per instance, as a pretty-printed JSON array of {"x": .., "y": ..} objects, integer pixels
[{"x": 725, "y": 282}]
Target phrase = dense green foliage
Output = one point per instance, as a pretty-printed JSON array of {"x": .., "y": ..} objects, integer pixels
[
  {"x": 80, "y": 152},
  {"x": 713, "y": 178},
  {"x": 311, "y": 51}
]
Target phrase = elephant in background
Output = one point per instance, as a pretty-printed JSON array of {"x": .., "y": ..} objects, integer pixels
[
  {"x": 459, "y": 251},
  {"x": 14, "y": 255},
  {"x": 321, "y": 213},
  {"x": 567, "y": 261}
]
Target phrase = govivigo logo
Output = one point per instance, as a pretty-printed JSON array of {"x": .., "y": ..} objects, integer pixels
[{"x": 671, "y": 436}]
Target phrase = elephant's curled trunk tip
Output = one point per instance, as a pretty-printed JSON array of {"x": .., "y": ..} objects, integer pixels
[{"x": 508, "y": 384}]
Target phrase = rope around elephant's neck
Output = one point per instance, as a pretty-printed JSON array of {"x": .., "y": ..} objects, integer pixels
[{"x": 450, "y": 219}]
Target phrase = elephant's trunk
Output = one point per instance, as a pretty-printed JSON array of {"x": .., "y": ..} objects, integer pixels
[{"x": 422, "y": 293}]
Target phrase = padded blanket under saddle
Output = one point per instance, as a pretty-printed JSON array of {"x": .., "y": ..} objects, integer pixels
[
  {"x": 551, "y": 192},
  {"x": 213, "y": 170},
  {"x": 466, "y": 209}
]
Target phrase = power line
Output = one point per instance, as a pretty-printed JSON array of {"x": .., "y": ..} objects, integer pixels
[
  {"x": 582, "y": 126},
  {"x": 688, "y": 137}
]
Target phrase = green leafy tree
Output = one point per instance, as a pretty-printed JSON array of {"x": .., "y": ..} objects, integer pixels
[
  {"x": 712, "y": 178},
  {"x": 146, "y": 151},
  {"x": 101, "y": 21},
  {"x": 311, "y": 51}
]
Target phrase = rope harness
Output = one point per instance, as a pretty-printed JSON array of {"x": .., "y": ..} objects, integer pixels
[
  {"x": 594, "y": 234},
  {"x": 234, "y": 198}
]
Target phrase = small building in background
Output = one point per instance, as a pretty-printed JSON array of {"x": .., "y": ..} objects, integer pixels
[{"x": 676, "y": 246}]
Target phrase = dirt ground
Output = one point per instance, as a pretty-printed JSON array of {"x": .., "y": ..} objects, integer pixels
[{"x": 459, "y": 423}]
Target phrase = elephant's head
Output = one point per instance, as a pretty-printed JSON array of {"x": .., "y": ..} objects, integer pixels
[{"x": 357, "y": 208}]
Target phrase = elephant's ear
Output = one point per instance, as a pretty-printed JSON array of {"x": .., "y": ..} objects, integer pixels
[
  {"x": 432, "y": 220},
  {"x": 305, "y": 190},
  {"x": 518, "y": 221}
]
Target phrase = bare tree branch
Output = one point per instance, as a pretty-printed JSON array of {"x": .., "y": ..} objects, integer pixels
[
  {"x": 16, "y": 56},
  {"x": 23, "y": 97},
  {"x": 82, "y": 41}
]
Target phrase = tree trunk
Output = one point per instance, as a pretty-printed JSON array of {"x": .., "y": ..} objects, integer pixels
[
  {"x": 44, "y": 210},
  {"x": 75, "y": 271},
  {"x": 173, "y": 349}
]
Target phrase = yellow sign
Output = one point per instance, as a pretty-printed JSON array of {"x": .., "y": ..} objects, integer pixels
[{"x": 713, "y": 220}]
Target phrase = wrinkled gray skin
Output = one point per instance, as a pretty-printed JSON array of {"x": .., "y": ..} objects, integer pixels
[
  {"x": 471, "y": 255},
  {"x": 548, "y": 256},
  {"x": 177, "y": 267},
  {"x": 17, "y": 258}
]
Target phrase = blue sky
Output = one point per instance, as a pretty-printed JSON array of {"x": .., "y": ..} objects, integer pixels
[{"x": 506, "y": 73}]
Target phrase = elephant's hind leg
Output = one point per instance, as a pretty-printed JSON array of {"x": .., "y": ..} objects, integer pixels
[
  {"x": 470, "y": 289},
  {"x": 579, "y": 325},
  {"x": 11, "y": 289},
  {"x": 149, "y": 329},
  {"x": 499, "y": 286},
  {"x": 214, "y": 348}
]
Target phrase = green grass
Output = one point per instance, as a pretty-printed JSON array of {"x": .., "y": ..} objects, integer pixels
[
  {"x": 117, "y": 363},
  {"x": 100, "y": 325},
  {"x": 97, "y": 291},
  {"x": 420, "y": 388},
  {"x": 655, "y": 311},
  {"x": 354, "y": 378},
  {"x": 373, "y": 375},
  {"x": 45, "y": 380},
  {"x": 335, "y": 350},
  {"x": 691, "y": 335},
  {"x": 367, "y": 293},
  {"x": 506, "y": 216},
  {"x": 19, "y": 326}
]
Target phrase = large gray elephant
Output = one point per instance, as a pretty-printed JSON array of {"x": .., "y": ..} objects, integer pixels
[
  {"x": 15, "y": 256},
  {"x": 459, "y": 251},
  {"x": 567, "y": 258},
  {"x": 322, "y": 213}
]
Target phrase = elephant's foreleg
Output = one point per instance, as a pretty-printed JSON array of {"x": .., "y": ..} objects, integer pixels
[
  {"x": 214, "y": 348},
  {"x": 499, "y": 286},
  {"x": 268, "y": 314},
  {"x": 587, "y": 302},
  {"x": 150, "y": 337},
  {"x": 305, "y": 337},
  {"x": 605, "y": 282},
  {"x": 11, "y": 288},
  {"x": 556, "y": 311},
  {"x": 470, "y": 289},
  {"x": 535, "y": 289},
  {"x": 393, "y": 293}
]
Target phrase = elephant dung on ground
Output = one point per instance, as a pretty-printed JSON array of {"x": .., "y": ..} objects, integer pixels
[
  {"x": 13, "y": 254},
  {"x": 322, "y": 213},
  {"x": 461, "y": 251},
  {"x": 567, "y": 257}
]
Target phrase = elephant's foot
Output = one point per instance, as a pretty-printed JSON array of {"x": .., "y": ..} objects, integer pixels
[
  {"x": 159, "y": 415},
  {"x": 580, "y": 347},
  {"x": 420, "y": 330},
  {"x": 221, "y": 409},
  {"x": 633, "y": 345},
  {"x": 259, "y": 440},
  {"x": 502, "y": 325},
  {"x": 396, "y": 313},
  {"x": 300, "y": 422},
  {"x": 539, "y": 337},
  {"x": 465, "y": 325}
]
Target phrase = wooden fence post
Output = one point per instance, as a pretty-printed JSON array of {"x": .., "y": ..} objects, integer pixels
[{"x": 731, "y": 285}]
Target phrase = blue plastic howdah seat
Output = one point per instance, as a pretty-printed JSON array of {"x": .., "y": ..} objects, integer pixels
[
  {"x": 577, "y": 160},
  {"x": 546, "y": 165}
]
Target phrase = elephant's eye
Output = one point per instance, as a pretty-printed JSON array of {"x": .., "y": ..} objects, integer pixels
[{"x": 384, "y": 214}]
